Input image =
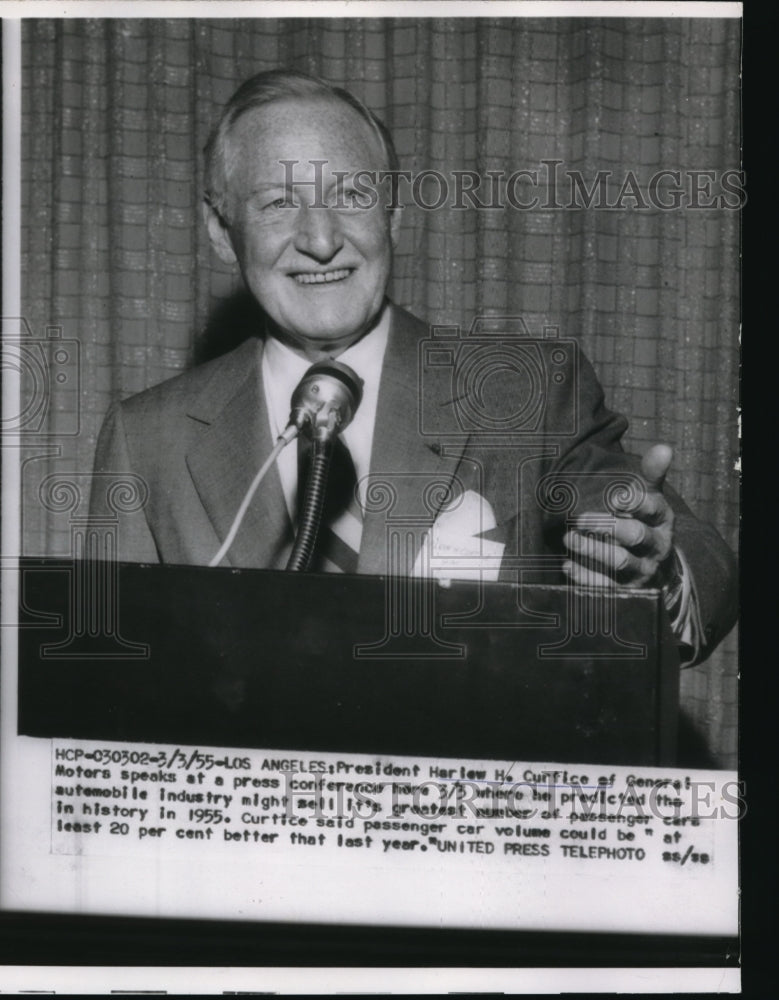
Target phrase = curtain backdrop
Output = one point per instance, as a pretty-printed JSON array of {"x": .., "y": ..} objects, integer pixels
[{"x": 116, "y": 113}]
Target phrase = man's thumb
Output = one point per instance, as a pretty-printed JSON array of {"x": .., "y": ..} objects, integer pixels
[{"x": 655, "y": 464}]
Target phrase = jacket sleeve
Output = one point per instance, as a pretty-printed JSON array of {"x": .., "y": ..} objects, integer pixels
[{"x": 119, "y": 494}]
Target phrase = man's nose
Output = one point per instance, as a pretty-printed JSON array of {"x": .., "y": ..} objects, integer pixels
[{"x": 318, "y": 232}]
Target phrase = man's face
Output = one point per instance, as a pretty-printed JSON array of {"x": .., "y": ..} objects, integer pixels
[{"x": 319, "y": 272}]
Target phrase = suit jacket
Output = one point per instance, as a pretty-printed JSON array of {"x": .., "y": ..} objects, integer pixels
[{"x": 198, "y": 439}]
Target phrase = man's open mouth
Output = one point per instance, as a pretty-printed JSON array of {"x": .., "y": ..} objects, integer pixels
[{"x": 322, "y": 277}]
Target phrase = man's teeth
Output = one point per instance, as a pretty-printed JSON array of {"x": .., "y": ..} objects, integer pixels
[{"x": 322, "y": 278}]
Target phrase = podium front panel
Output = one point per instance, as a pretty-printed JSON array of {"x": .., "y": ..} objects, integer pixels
[{"x": 264, "y": 659}]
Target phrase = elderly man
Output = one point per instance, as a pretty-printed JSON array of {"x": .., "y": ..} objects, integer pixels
[{"x": 287, "y": 202}]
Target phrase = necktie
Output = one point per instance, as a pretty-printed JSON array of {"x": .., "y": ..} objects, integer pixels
[{"x": 340, "y": 531}]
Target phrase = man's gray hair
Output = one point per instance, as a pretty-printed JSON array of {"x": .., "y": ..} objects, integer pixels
[{"x": 265, "y": 88}]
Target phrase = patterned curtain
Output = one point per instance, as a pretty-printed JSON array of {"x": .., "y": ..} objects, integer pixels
[{"x": 115, "y": 255}]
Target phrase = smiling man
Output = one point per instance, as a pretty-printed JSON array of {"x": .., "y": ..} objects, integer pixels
[
  {"x": 285, "y": 203},
  {"x": 319, "y": 273}
]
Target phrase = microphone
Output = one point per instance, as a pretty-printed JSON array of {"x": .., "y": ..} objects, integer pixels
[
  {"x": 322, "y": 405},
  {"x": 325, "y": 400}
]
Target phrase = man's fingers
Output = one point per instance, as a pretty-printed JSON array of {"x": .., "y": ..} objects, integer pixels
[
  {"x": 655, "y": 464},
  {"x": 584, "y": 577},
  {"x": 633, "y": 529},
  {"x": 652, "y": 508},
  {"x": 626, "y": 531},
  {"x": 601, "y": 557}
]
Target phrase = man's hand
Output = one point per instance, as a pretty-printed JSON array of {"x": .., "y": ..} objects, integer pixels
[{"x": 643, "y": 537}]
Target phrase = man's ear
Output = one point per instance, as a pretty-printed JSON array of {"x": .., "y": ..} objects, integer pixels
[
  {"x": 218, "y": 234},
  {"x": 396, "y": 215}
]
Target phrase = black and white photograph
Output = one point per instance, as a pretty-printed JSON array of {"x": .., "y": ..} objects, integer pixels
[{"x": 371, "y": 476}]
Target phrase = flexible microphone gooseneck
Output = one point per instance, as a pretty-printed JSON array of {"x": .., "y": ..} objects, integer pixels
[{"x": 323, "y": 405}]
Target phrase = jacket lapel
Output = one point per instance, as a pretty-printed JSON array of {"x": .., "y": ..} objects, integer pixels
[
  {"x": 410, "y": 469},
  {"x": 233, "y": 440}
]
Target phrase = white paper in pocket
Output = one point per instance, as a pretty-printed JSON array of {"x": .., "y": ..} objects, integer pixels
[{"x": 453, "y": 549}]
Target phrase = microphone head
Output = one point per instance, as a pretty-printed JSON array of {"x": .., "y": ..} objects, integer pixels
[{"x": 326, "y": 398}]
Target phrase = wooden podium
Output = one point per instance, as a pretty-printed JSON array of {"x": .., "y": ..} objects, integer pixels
[{"x": 288, "y": 661}]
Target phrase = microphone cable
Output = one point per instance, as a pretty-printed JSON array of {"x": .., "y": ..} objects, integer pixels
[{"x": 282, "y": 441}]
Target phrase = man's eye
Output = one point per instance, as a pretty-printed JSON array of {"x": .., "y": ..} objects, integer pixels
[
  {"x": 281, "y": 202},
  {"x": 355, "y": 198}
]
